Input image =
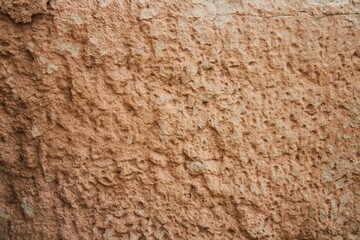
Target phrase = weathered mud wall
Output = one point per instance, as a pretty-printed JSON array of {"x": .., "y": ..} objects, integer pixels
[{"x": 195, "y": 119}]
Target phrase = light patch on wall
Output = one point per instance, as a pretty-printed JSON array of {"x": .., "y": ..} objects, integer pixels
[
  {"x": 105, "y": 3},
  {"x": 3, "y": 214},
  {"x": 27, "y": 207},
  {"x": 329, "y": 2},
  {"x": 51, "y": 68},
  {"x": 77, "y": 19},
  {"x": 35, "y": 132},
  {"x": 71, "y": 48},
  {"x": 148, "y": 13}
]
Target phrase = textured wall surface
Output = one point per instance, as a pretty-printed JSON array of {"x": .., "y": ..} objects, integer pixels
[{"x": 194, "y": 119}]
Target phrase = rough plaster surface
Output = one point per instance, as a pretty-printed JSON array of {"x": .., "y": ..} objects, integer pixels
[
  {"x": 223, "y": 119},
  {"x": 23, "y": 10}
]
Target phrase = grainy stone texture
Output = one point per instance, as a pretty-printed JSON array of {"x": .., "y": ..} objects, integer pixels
[{"x": 222, "y": 119}]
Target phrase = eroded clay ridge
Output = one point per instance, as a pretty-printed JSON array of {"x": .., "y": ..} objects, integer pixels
[{"x": 194, "y": 119}]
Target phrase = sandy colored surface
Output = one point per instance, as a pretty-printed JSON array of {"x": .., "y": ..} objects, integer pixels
[{"x": 223, "y": 119}]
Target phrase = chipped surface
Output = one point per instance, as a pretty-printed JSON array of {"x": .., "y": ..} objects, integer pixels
[{"x": 180, "y": 119}]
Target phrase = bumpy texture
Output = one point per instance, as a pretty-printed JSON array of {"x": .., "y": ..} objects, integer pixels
[
  {"x": 23, "y": 10},
  {"x": 202, "y": 119}
]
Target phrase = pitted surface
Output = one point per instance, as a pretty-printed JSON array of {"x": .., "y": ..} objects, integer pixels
[
  {"x": 22, "y": 11},
  {"x": 180, "y": 120}
]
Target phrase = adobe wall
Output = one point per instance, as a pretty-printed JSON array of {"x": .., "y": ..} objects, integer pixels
[{"x": 194, "y": 119}]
